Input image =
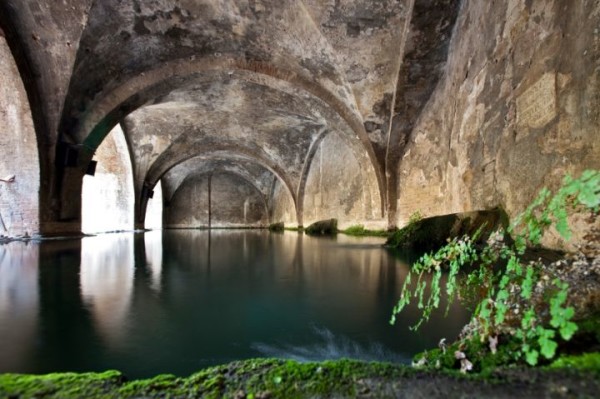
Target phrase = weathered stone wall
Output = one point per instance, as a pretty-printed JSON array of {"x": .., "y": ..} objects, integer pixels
[
  {"x": 517, "y": 108},
  {"x": 339, "y": 187},
  {"x": 282, "y": 208},
  {"x": 19, "y": 213},
  {"x": 234, "y": 203},
  {"x": 107, "y": 197}
]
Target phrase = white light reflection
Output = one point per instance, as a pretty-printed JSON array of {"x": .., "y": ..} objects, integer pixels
[
  {"x": 19, "y": 303},
  {"x": 108, "y": 196},
  {"x": 154, "y": 211},
  {"x": 154, "y": 253},
  {"x": 106, "y": 280}
]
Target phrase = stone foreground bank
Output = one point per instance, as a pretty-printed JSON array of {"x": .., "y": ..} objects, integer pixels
[{"x": 270, "y": 378}]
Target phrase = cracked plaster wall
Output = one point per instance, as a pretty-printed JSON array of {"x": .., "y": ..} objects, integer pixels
[{"x": 517, "y": 108}]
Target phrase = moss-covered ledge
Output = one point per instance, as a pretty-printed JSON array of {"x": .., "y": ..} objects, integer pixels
[{"x": 271, "y": 378}]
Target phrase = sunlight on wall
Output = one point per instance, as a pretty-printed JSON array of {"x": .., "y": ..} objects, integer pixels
[
  {"x": 108, "y": 196},
  {"x": 154, "y": 211},
  {"x": 339, "y": 185}
]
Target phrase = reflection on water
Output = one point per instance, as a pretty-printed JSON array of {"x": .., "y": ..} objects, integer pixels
[
  {"x": 154, "y": 254},
  {"x": 18, "y": 304},
  {"x": 180, "y": 300},
  {"x": 106, "y": 281}
]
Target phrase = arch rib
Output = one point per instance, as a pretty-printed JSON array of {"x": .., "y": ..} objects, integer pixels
[{"x": 121, "y": 101}]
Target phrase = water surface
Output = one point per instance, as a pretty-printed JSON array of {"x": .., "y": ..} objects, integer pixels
[{"x": 180, "y": 300}]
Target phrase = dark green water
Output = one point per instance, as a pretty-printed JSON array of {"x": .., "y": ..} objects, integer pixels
[{"x": 178, "y": 301}]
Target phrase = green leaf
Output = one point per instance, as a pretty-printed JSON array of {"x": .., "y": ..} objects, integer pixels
[
  {"x": 527, "y": 284},
  {"x": 567, "y": 330},
  {"x": 547, "y": 346},
  {"x": 563, "y": 228},
  {"x": 531, "y": 357}
]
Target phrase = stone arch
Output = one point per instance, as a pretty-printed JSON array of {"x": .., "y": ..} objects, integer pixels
[
  {"x": 124, "y": 99},
  {"x": 19, "y": 156},
  {"x": 308, "y": 163},
  {"x": 305, "y": 169},
  {"x": 335, "y": 184},
  {"x": 211, "y": 174},
  {"x": 229, "y": 150}
]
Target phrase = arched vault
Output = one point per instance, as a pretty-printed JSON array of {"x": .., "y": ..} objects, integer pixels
[
  {"x": 265, "y": 80},
  {"x": 251, "y": 167}
]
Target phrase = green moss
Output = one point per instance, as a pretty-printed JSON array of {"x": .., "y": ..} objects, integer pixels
[
  {"x": 255, "y": 378},
  {"x": 586, "y": 361},
  {"x": 288, "y": 379},
  {"x": 274, "y": 378},
  {"x": 160, "y": 383},
  {"x": 360, "y": 231},
  {"x": 63, "y": 385},
  {"x": 477, "y": 352},
  {"x": 590, "y": 326},
  {"x": 423, "y": 235}
]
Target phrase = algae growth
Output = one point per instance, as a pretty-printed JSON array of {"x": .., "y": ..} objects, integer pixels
[{"x": 273, "y": 378}]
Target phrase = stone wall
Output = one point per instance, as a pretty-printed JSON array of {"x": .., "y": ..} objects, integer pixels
[
  {"x": 234, "y": 203},
  {"x": 282, "y": 206},
  {"x": 19, "y": 212},
  {"x": 108, "y": 197},
  {"x": 339, "y": 187},
  {"x": 517, "y": 108}
]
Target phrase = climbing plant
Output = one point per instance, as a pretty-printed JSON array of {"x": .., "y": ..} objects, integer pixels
[{"x": 506, "y": 304}]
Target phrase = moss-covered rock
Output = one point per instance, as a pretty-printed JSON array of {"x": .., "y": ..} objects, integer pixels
[
  {"x": 423, "y": 235},
  {"x": 272, "y": 378},
  {"x": 322, "y": 227},
  {"x": 277, "y": 227}
]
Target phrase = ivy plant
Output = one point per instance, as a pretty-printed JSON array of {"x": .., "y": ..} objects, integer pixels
[{"x": 537, "y": 333}]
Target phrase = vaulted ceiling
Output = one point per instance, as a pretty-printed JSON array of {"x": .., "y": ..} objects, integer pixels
[{"x": 248, "y": 86}]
